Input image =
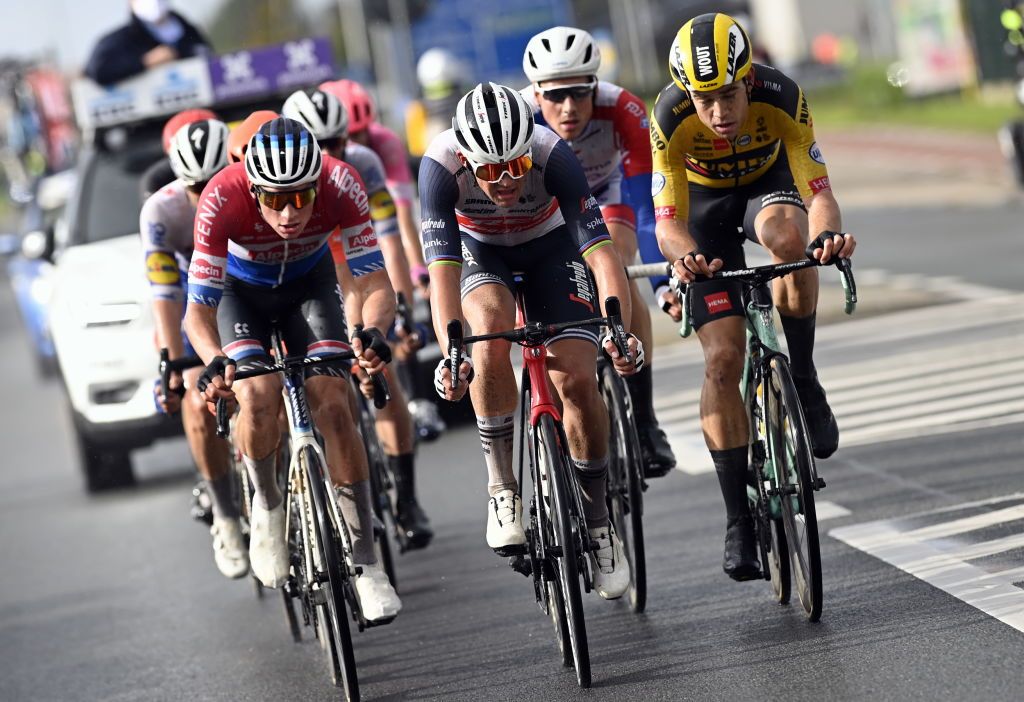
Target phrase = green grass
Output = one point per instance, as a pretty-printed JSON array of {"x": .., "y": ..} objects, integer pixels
[{"x": 867, "y": 99}]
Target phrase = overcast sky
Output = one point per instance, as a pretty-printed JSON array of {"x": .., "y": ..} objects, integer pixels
[{"x": 69, "y": 28}]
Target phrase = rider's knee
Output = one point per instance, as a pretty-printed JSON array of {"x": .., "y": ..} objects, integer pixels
[
  {"x": 491, "y": 353},
  {"x": 259, "y": 397},
  {"x": 724, "y": 364},
  {"x": 784, "y": 237},
  {"x": 578, "y": 386}
]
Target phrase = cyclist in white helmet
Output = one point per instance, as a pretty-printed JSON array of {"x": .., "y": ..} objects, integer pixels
[
  {"x": 327, "y": 120},
  {"x": 501, "y": 196},
  {"x": 606, "y": 126},
  {"x": 274, "y": 214},
  {"x": 197, "y": 151}
]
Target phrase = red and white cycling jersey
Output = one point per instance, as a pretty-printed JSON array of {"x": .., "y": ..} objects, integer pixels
[{"x": 232, "y": 238}]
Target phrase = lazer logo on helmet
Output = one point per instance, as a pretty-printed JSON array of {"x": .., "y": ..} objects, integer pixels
[{"x": 202, "y": 269}]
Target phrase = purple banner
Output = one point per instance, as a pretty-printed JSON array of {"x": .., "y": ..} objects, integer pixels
[{"x": 272, "y": 69}]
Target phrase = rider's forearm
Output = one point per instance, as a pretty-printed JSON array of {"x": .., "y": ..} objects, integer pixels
[
  {"x": 351, "y": 296},
  {"x": 397, "y": 264},
  {"x": 445, "y": 302},
  {"x": 823, "y": 215},
  {"x": 674, "y": 239},
  {"x": 611, "y": 280},
  {"x": 167, "y": 320},
  {"x": 201, "y": 325},
  {"x": 378, "y": 300},
  {"x": 410, "y": 235}
]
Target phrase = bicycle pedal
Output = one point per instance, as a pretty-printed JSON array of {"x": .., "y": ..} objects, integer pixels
[
  {"x": 819, "y": 483},
  {"x": 520, "y": 565},
  {"x": 511, "y": 550}
]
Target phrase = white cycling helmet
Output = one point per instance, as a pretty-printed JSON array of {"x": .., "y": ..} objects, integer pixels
[
  {"x": 320, "y": 112},
  {"x": 493, "y": 124},
  {"x": 198, "y": 150},
  {"x": 561, "y": 52},
  {"x": 283, "y": 154},
  {"x": 439, "y": 68}
]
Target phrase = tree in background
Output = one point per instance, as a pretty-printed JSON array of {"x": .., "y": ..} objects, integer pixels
[{"x": 247, "y": 24}]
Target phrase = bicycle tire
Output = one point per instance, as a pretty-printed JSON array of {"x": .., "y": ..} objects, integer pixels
[
  {"x": 377, "y": 467},
  {"x": 334, "y": 610},
  {"x": 625, "y": 486},
  {"x": 778, "y": 562},
  {"x": 790, "y": 449},
  {"x": 568, "y": 566},
  {"x": 556, "y": 609}
]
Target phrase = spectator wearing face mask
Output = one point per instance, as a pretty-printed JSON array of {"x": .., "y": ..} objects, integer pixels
[{"x": 154, "y": 35}]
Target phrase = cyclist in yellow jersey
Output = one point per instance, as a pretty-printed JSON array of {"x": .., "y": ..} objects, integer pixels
[{"x": 735, "y": 158}]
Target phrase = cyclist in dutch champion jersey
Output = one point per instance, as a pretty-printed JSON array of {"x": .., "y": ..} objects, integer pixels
[
  {"x": 501, "y": 197},
  {"x": 607, "y": 128},
  {"x": 196, "y": 152},
  {"x": 261, "y": 257},
  {"x": 735, "y": 158}
]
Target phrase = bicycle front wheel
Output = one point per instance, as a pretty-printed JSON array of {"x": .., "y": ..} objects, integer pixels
[
  {"x": 331, "y": 576},
  {"x": 380, "y": 485},
  {"x": 625, "y": 483},
  {"x": 790, "y": 449},
  {"x": 569, "y": 531}
]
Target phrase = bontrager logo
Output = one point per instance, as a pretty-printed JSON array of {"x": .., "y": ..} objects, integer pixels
[{"x": 704, "y": 61}]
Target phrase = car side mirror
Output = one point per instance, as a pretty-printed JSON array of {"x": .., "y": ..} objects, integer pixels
[{"x": 37, "y": 245}]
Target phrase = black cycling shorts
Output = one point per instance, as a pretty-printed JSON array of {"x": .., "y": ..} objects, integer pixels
[
  {"x": 308, "y": 311},
  {"x": 555, "y": 282},
  {"x": 721, "y": 219}
]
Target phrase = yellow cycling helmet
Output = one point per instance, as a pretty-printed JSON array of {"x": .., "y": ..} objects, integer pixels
[{"x": 709, "y": 52}]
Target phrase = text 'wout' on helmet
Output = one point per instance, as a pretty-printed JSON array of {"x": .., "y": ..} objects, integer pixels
[
  {"x": 561, "y": 52},
  {"x": 493, "y": 124},
  {"x": 709, "y": 52},
  {"x": 283, "y": 154},
  {"x": 198, "y": 150}
]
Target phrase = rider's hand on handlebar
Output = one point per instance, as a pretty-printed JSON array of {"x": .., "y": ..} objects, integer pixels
[
  {"x": 170, "y": 402},
  {"x": 829, "y": 244},
  {"x": 693, "y": 264},
  {"x": 623, "y": 365},
  {"x": 372, "y": 350},
  {"x": 668, "y": 301},
  {"x": 443, "y": 379},
  {"x": 216, "y": 380}
]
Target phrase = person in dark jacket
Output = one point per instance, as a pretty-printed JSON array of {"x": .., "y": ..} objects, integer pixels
[{"x": 154, "y": 35}]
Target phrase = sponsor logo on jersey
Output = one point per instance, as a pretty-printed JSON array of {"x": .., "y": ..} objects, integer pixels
[
  {"x": 580, "y": 276},
  {"x": 635, "y": 109},
  {"x": 381, "y": 205},
  {"x": 432, "y": 224},
  {"x": 346, "y": 182},
  {"x": 769, "y": 85},
  {"x": 815, "y": 153},
  {"x": 657, "y": 183},
  {"x": 718, "y": 302},
  {"x": 432, "y": 243},
  {"x": 743, "y": 140},
  {"x": 467, "y": 256},
  {"x": 157, "y": 231},
  {"x": 363, "y": 239},
  {"x": 720, "y": 144},
  {"x": 819, "y": 184},
  {"x": 162, "y": 269},
  {"x": 805, "y": 113},
  {"x": 664, "y": 212},
  {"x": 587, "y": 203},
  {"x": 656, "y": 139},
  {"x": 203, "y": 269},
  {"x": 210, "y": 206}
]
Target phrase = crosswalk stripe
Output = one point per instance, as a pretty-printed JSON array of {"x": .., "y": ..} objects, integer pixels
[
  {"x": 965, "y": 525},
  {"x": 955, "y": 362}
]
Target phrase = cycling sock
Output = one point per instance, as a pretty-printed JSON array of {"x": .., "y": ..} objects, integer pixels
[
  {"x": 402, "y": 470},
  {"x": 800, "y": 339},
  {"x": 222, "y": 497},
  {"x": 592, "y": 476},
  {"x": 731, "y": 466},
  {"x": 357, "y": 511},
  {"x": 263, "y": 474},
  {"x": 641, "y": 392},
  {"x": 496, "y": 438}
]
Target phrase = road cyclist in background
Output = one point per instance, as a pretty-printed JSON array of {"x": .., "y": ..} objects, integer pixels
[
  {"x": 607, "y": 128},
  {"x": 196, "y": 152},
  {"x": 327, "y": 120},
  {"x": 500, "y": 196},
  {"x": 261, "y": 258},
  {"x": 364, "y": 129},
  {"x": 735, "y": 158}
]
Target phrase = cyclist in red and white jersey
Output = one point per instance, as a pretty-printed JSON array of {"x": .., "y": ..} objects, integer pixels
[
  {"x": 196, "y": 152},
  {"x": 261, "y": 256},
  {"x": 607, "y": 128}
]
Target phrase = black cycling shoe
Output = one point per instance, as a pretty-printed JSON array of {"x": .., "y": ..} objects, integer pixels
[
  {"x": 655, "y": 451},
  {"x": 202, "y": 506},
  {"x": 415, "y": 525},
  {"x": 821, "y": 423},
  {"x": 740, "y": 560}
]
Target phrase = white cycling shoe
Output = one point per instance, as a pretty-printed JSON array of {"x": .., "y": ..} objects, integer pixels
[
  {"x": 229, "y": 548},
  {"x": 611, "y": 569},
  {"x": 268, "y": 548},
  {"x": 377, "y": 598},
  {"x": 505, "y": 523}
]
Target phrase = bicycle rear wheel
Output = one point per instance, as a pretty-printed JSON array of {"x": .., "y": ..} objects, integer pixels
[
  {"x": 568, "y": 531},
  {"x": 333, "y": 611},
  {"x": 625, "y": 483},
  {"x": 790, "y": 449}
]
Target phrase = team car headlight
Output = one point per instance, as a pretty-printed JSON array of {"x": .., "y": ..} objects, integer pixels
[{"x": 112, "y": 314}]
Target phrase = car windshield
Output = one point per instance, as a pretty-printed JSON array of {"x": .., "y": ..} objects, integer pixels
[{"x": 110, "y": 193}]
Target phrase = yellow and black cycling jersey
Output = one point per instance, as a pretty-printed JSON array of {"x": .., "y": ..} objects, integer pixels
[{"x": 685, "y": 151}]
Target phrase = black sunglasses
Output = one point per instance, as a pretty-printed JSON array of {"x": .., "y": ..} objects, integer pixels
[{"x": 576, "y": 92}]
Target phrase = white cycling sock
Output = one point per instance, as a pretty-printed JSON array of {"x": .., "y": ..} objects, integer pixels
[
  {"x": 263, "y": 474},
  {"x": 592, "y": 475},
  {"x": 497, "y": 435},
  {"x": 357, "y": 511}
]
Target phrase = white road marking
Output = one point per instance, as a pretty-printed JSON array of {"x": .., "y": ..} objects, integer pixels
[{"x": 826, "y": 509}]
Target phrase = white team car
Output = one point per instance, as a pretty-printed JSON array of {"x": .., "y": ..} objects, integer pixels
[{"x": 100, "y": 314}]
